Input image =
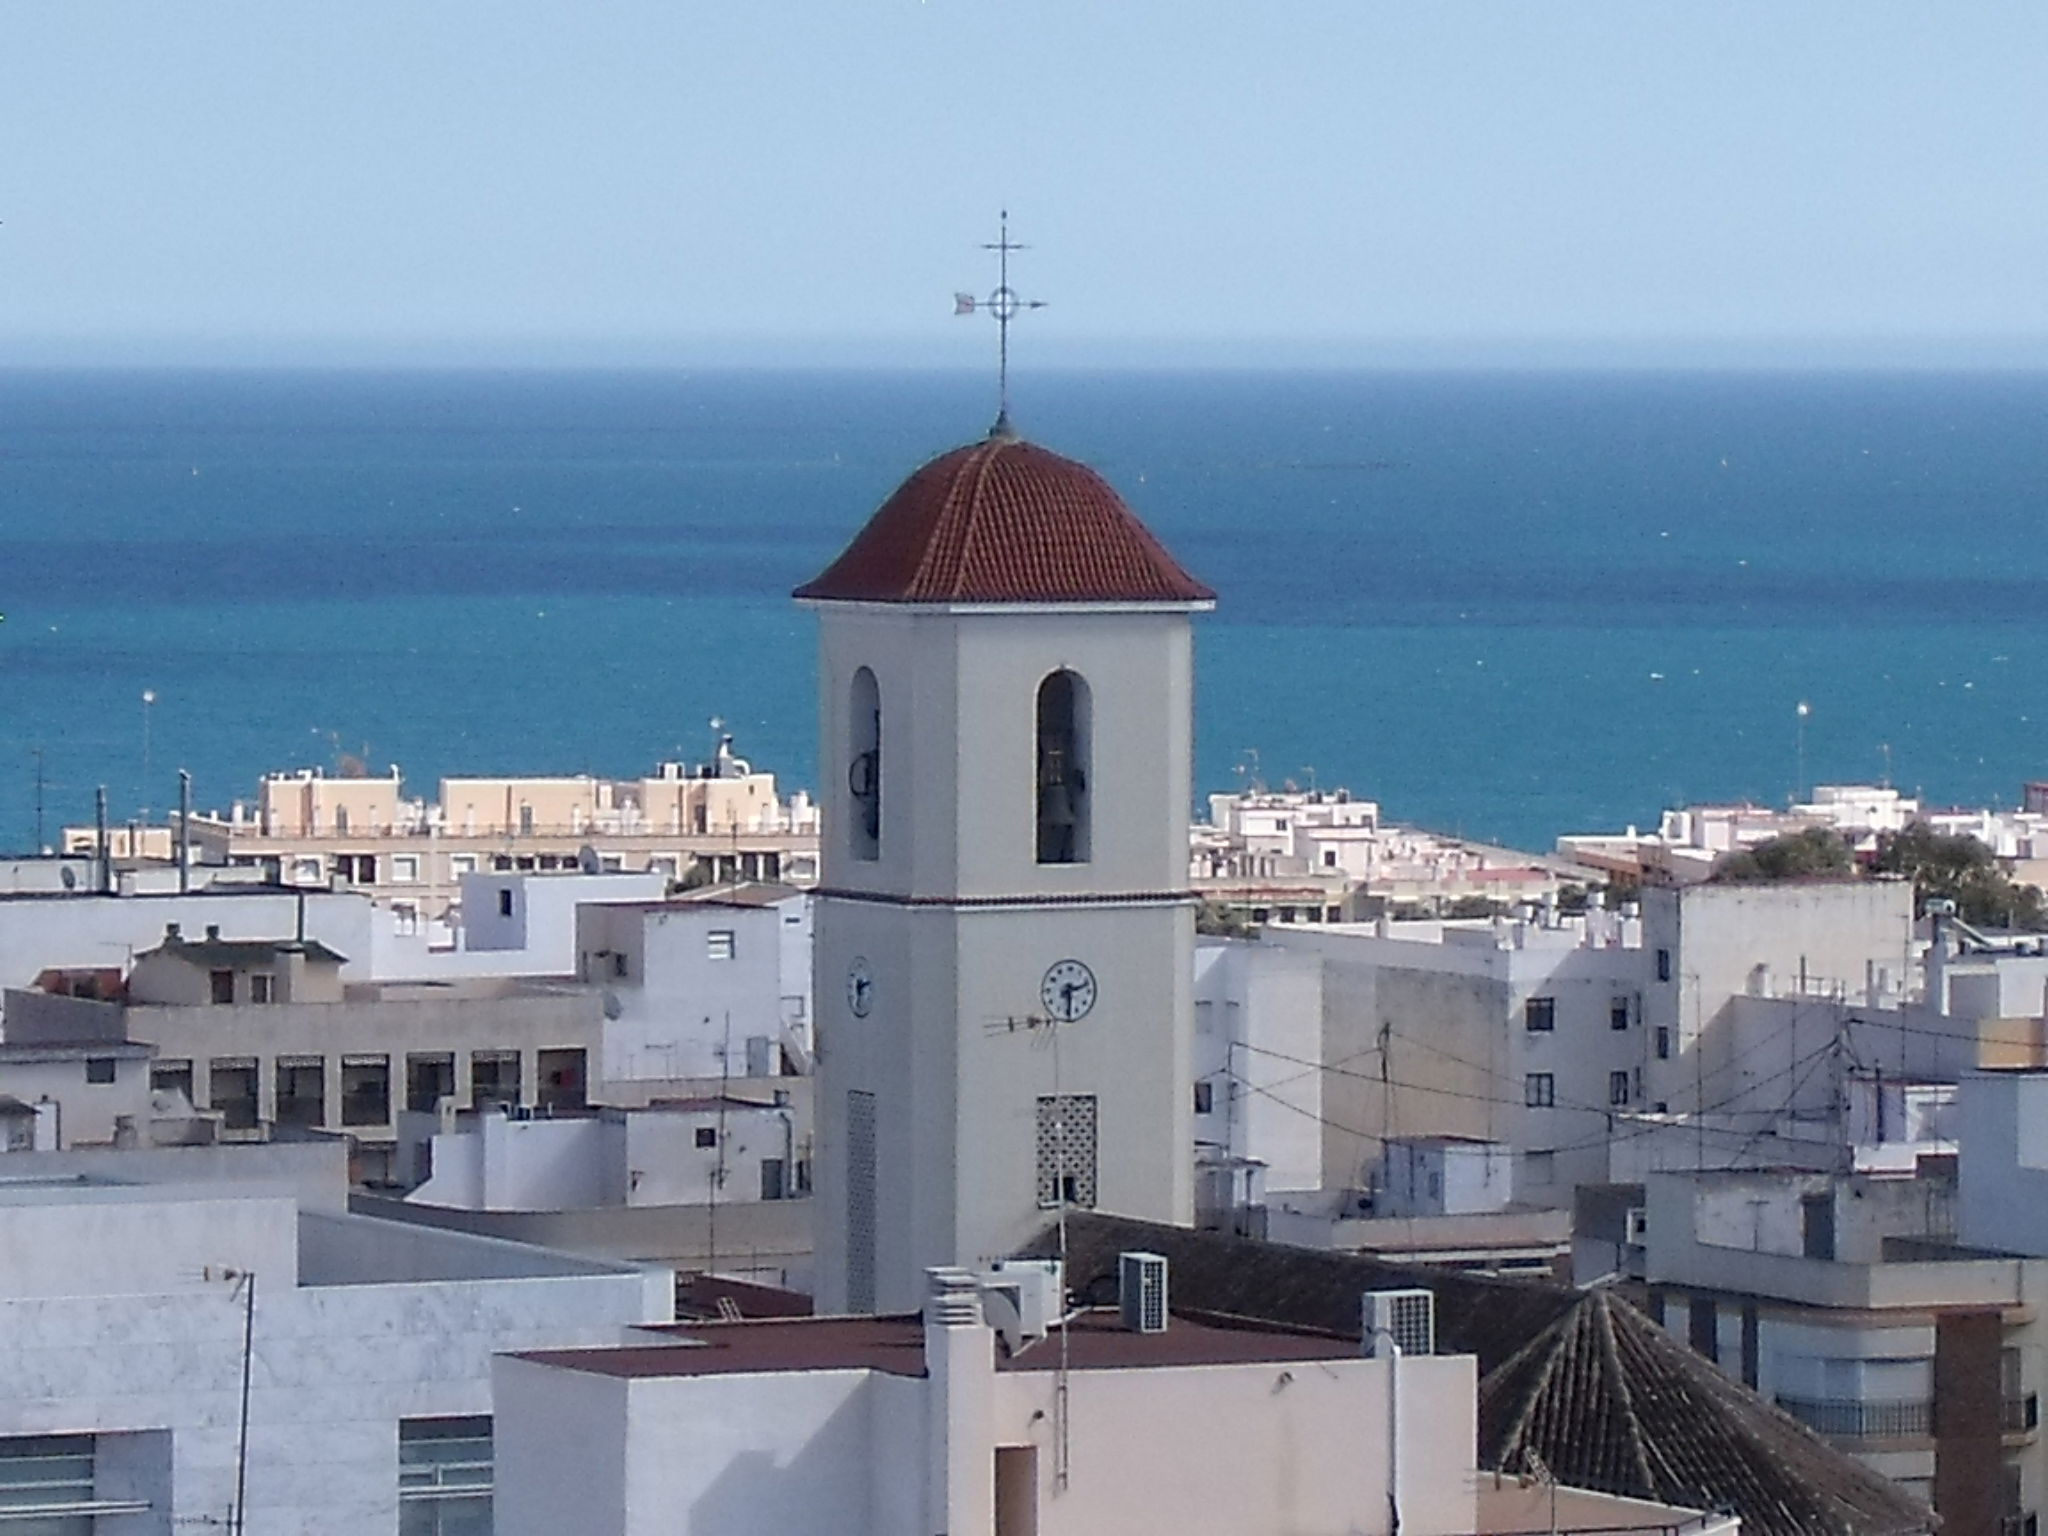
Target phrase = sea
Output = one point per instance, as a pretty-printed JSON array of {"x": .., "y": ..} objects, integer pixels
[{"x": 1507, "y": 605}]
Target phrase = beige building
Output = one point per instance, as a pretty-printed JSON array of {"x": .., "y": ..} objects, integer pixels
[{"x": 719, "y": 819}]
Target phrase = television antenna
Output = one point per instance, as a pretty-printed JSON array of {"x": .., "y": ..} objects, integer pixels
[{"x": 1005, "y": 304}]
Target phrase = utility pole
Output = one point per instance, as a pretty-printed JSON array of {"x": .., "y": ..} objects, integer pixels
[{"x": 40, "y": 844}]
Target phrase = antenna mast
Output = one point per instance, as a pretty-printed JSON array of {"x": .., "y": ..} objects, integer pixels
[{"x": 1005, "y": 305}]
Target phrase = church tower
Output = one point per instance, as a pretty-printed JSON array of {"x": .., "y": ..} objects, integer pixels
[{"x": 1004, "y": 929}]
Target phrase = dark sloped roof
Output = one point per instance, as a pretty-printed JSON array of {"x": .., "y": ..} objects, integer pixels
[
  {"x": 1605, "y": 1398},
  {"x": 1005, "y": 521},
  {"x": 1576, "y": 1385},
  {"x": 235, "y": 953},
  {"x": 1307, "y": 1287}
]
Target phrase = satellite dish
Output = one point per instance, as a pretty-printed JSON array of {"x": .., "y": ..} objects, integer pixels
[
  {"x": 588, "y": 861},
  {"x": 612, "y": 1006},
  {"x": 69, "y": 876}
]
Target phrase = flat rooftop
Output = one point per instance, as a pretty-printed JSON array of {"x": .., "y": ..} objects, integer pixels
[{"x": 1096, "y": 1340}]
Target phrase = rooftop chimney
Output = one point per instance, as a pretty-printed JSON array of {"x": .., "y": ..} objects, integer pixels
[
  {"x": 170, "y": 933},
  {"x": 213, "y": 933}
]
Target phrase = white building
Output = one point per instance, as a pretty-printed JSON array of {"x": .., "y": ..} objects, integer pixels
[
  {"x": 854, "y": 1425},
  {"x": 731, "y": 1151},
  {"x": 138, "y": 1292},
  {"x": 1004, "y": 935},
  {"x": 1528, "y": 1033},
  {"x": 1258, "y": 1105},
  {"x": 710, "y": 985}
]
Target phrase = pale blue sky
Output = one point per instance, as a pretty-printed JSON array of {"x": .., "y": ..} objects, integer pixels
[{"x": 663, "y": 180}]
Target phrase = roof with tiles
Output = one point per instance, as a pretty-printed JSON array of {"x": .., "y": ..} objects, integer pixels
[
  {"x": 1005, "y": 521},
  {"x": 1576, "y": 1385}
]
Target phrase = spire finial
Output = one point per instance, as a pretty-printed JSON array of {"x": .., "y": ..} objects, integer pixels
[{"x": 1005, "y": 305}]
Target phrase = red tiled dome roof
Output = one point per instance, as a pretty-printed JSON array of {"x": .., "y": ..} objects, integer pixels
[{"x": 1005, "y": 521}]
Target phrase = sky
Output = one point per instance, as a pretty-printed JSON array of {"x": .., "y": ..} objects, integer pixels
[{"x": 667, "y": 181}]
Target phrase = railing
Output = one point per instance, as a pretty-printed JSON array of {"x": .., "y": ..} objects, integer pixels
[
  {"x": 1858, "y": 1419},
  {"x": 2022, "y": 1413},
  {"x": 2018, "y": 1525}
]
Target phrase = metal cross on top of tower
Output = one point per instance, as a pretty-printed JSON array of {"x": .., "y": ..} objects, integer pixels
[{"x": 1005, "y": 305}]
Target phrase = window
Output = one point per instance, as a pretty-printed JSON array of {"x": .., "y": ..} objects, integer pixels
[
  {"x": 774, "y": 1183},
  {"x": 1539, "y": 1090},
  {"x": 1539, "y": 1014},
  {"x": 526, "y": 820},
  {"x": 460, "y": 864},
  {"x": 341, "y": 819},
  {"x": 301, "y": 1090},
  {"x": 1066, "y": 1150},
  {"x": 1617, "y": 1088},
  {"x": 262, "y": 987},
  {"x": 171, "y": 1077},
  {"x": 1062, "y": 767},
  {"x": 504, "y": 901},
  {"x": 405, "y": 868},
  {"x": 1663, "y": 965},
  {"x": 428, "y": 1080},
  {"x": 365, "y": 1090},
  {"x": 54, "y": 1475},
  {"x": 1329, "y": 858},
  {"x": 1205, "y": 1098},
  {"x": 308, "y": 871},
  {"x": 99, "y": 1069},
  {"x": 223, "y": 985},
  {"x": 231, "y": 1089},
  {"x": 1618, "y": 1011},
  {"x": 562, "y": 1072},
  {"x": 707, "y": 1136},
  {"x": 1663, "y": 1042},
  {"x": 720, "y": 944},
  {"x": 493, "y": 1078},
  {"x": 444, "y": 1476},
  {"x": 864, "y": 764},
  {"x": 405, "y": 919}
]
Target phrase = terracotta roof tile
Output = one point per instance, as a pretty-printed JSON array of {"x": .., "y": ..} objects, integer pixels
[{"x": 1005, "y": 521}]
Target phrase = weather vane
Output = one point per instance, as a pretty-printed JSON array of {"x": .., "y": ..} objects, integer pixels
[{"x": 1005, "y": 305}]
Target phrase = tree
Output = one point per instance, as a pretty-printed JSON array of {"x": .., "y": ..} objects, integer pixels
[
  {"x": 1815, "y": 853},
  {"x": 1959, "y": 868}
]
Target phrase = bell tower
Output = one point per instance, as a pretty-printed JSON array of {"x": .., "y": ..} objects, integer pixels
[{"x": 1004, "y": 929}]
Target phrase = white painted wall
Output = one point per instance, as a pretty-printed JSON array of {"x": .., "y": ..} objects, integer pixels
[
  {"x": 1235, "y": 1450},
  {"x": 682, "y": 1011},
  {"x": 1258, "y": 1019},
  {"x": 107, "y": 1323}
]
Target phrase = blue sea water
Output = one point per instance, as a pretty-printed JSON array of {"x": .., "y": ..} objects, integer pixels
[{"x": 1511, "y": 604}]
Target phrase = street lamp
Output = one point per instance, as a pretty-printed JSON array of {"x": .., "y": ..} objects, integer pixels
[{"x": 148, "y": 704}]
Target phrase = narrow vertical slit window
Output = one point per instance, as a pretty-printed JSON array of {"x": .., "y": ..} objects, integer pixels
[
  {"x": 864, "y": 764},
  {"x": 1063, "y": 806}
]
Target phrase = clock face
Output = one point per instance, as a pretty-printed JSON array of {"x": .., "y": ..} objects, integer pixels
[
  {"x": 1068, "y": 991},
  {"x": 860, "y": 987}
]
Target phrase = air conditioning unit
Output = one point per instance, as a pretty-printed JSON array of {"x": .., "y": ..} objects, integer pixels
[
  {"x": 1141, "y": 1291},
  {"x": 1023, "y": 1298},
  {"x": 1407, "y": 1319},
  {"x": 1635, "y": 1227}
]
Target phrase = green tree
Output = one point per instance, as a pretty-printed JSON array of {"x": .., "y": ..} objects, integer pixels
[
  {"x": 1959, "y": 868},
  {"x": 1815, "y": 853}
]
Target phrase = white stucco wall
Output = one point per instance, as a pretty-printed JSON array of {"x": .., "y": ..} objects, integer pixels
[
  {"x": 1274, "y": 1449},
  {"x": 335, "y": 1367}
]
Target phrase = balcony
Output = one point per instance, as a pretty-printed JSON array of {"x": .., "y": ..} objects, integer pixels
[{"x": 1848, "y": 1418}]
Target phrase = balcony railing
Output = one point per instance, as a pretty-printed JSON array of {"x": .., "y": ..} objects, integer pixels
[
  {"x": 2018, "y": 1525},
  {"x": 1858, "y": 1419},
  {"x": 2022, "y": 1413}
]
